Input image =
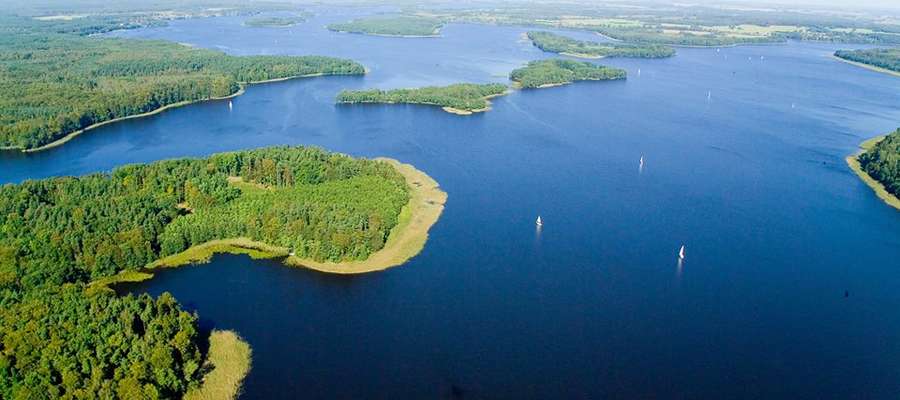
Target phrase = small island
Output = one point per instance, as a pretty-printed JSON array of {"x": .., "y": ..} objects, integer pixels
[
  {"x": 274, "y": 22},
  {"x": 554, "y": 72},
  {"x": 878, "y": 165},
  {"x": 551, "y": 42},
  {"x": 395, "y": 26},
  {"x": 461, "y": 98},
  {"x": 886, "y": 60}
]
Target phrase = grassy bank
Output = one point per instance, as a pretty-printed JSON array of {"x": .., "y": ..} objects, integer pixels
[
  {"x": 405, "y": 241},
  {"x": 408, "y": 238},
  {"x": 228, "y": 363},
  {"x": 879, "y": 189}
]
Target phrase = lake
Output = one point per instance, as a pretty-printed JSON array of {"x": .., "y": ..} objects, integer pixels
[{"x": 790, "y": 288}]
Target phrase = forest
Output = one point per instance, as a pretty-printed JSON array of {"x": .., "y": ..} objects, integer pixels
[
  {"x": 59, "y": 234},
  {"x": 554, "y": 43},
  {"x": 55, "y": 84},
  {"x": 882, "y": 162},
  {"x": 274, "y": 22},
  {"x": 887, "y": 58},
  {"x": 391, "y": 26},
  {"x": 551, "y": 72},
  {"x": 462, "y": 96}
]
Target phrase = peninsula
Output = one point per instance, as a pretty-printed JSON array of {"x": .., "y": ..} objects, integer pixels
[
  {"x": 886, "y": 60},
  {"x": 554, "y": 43},
  {"x": 461, "y": 98},
  {"x": 878, "y": 165},
  {"x": 57, "y": 86},
  {"x": 554, "y": 72},
  {"x": 397, "y": 26},
  {"x": 320, "y": 210}
]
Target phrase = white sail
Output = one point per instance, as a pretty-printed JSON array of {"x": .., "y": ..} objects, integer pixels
[
  {"x": 230, "y": 106},
  {"x": 681, "y": 253},
  {"x": 539, "y": 222}
]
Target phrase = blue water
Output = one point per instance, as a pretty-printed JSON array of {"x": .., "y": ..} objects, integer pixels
[{"x": 744, "y": 165}]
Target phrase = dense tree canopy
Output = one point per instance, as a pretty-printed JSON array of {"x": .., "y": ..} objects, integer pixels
[
  {"x": 888, "y": 58},
  {"x": 462, "y": 96},
  {"x": 55, "y": 84},
  {"x": 62, "y": 343},
  {"x": 59, "y": 340},
  {"x": 554, "y": 43},
  {"x": 324, "y": 206},
  {"x": 558, "y": 71},
  {"x": 882, "y": 162},
  {"x": 392, "y": 26}
]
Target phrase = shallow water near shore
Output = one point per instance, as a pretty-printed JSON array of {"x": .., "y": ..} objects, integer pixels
[{"x": 744, "y": 164}]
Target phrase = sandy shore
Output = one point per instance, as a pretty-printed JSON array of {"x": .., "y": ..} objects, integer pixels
[
  {"x": 867, "y": 66},
  {"x": 406, "y": 240},
  {"x": 879, "y": 189}
]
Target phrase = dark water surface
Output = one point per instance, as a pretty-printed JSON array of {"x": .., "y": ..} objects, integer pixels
[{"x": 752, "y": 179}]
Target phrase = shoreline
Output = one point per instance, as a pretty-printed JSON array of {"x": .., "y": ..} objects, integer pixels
[
  {"x": 880, "y": 191},
  {"x": 69, "y": 136},
  {"x": 436, "y": 34},
  {"x": 867, "y": 66},
  {"x": 229, "y": 360},
  {"x": 580, "y": 55},
  {"x": 406, "y": 240},
  {"x": 451, "y": 110}
]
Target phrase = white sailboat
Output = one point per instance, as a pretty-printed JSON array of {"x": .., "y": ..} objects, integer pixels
[
  {"x": 230, "y": 106},
  {"x": 539, "y": 222},
  {"x": 681, "y": 253},
  {"x": 639, "y": 72},
  {"x": 642, "y": 160},
  {"x": 709, "y": 95}
]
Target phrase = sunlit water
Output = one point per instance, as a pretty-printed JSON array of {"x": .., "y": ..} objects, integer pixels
[{"x": 744, "y": 164}]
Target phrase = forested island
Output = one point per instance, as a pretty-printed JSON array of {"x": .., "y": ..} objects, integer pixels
[
  {"x": 878, "y": 164},
  {"x": 468, "y": 98},
  {"x": 55, "y": 85},
  {"x": 554, "y": 43},
  {"x": 274, "y": 22},
  {"x": 404, "y": 26},
  {"x": 462, "y": 98},
  {"x": 883, "y": 60},
  {"x": 545, "y": 73},
  {"x": 62, "y": 240}
]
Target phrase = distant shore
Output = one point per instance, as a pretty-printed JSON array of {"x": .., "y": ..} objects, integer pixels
[
  {"x": 405, "y": 241},
  {"x": 72, "y": 135},
  {"x": 867, "y": 66},
  {"x": 880, "y": 190},
  {"x": 436, "y": 34}
]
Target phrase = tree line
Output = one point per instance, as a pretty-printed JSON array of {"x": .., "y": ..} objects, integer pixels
[
  {"x": 882, "y": 162},
  {"x": 400, "y": 25},
  {"x": 53, "y": 84},
  {"x": 887, "y": 58},
  {"x": 554, "y": 43},
  {"x": 559, "y": 71},
  {"x": 462, "y": 96}
]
